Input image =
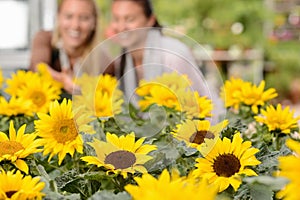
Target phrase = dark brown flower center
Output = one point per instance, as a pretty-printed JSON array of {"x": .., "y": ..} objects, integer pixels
[
  {"x": 120, "y": 159},
  {"x": 226, "y": 165},
  {"x": 199, "y": 136},
  {"x": 10, "y": 193}
]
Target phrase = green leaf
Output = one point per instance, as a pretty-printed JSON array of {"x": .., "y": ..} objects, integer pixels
[
  {"x": 109, "y": 195},
  {"x": 269, "y": 159},
  {"x": 158, "y": 163},
  {"x": 261, "y": 192},
  {"x": 66, "y": 178},
  {"x": 274, "y": 183}
]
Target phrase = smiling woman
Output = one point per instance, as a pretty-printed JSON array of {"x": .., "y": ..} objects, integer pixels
[{"x": 64, "y": 48}]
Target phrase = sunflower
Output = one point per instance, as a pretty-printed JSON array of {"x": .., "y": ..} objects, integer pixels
[
  {"x": 194, "y": 132},
  {"x": 15, "y": 106},
  {"x": 120, "y": 154},
  {"x": 99, "y": 103},
  {"x": 144, "y": 88},
  {"x": 236, "y": 92},
  {"x": 164, "y": 90},
  {"x": 231, "y": 92},
  {"x": 60, "y": 130},
  {"x": 18, "y": 80},
  {"x": 196, "y": 106},
  {"x": 98, "y": 98},
  {"x": 256, "y": 96},
  {"x": 16, "y": 186},
  {"x": 40, "y": 92},
  {"x": 18, "y": 146},
  {"x": 105, "y": 105},
  {"x": 226, "y": 161},
  {"x": 104, "y": 82},
  {"x": 107, "y": 84},
  {"x": 290, "y": 168},
  {"x": 160, "y": 95},
  {"x": 278, "y": 119},
  {"x": 169, "y": 187}
]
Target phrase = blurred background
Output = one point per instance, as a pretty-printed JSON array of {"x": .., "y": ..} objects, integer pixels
[{"x": 251, "y": 39}]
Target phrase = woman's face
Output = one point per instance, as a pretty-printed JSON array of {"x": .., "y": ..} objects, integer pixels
[
  {"x": 127, "y": 16},
  {"x": 76, "y": 21}
]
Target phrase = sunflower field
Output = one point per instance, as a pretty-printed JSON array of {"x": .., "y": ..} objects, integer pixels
[{"x": 163, "y": 146}]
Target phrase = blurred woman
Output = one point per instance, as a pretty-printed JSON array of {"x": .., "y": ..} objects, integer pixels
[
  {"x": 65, "y": 48},
  {"x": 147, "y": 52}
]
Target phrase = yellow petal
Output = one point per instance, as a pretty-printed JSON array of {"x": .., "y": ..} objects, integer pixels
[{"x": 21, "y": 164}]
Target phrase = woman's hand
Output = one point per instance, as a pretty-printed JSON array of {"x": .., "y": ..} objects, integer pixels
[
  {"x": 65, "y": 77},
  {"x": 68, "y": 84}
]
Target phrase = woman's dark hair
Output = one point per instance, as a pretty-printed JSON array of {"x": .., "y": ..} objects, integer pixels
[{"x": 147, "y": 8}]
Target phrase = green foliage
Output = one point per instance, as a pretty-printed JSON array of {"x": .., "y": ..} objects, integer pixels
[
  {"x": 210, "y": 21},
  {"x": 284, "y": 56},
  {"x": 260, "y": 188},
  {"x": 108, "y": 195},
  {"x": 18, "y": 122}
]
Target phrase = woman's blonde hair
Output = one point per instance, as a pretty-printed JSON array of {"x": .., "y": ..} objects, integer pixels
[{"x": 94, "y": 37}]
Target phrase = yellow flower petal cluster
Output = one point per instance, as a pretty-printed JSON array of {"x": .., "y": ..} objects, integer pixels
[
  {"x": 226, "y": 161},
  {"x": 163, "y": 90},
  {"x": 236, "y": 92},
  {"x": 278, "y": 119},
  {"x": 256, "y": 96},
  {"x": 15, "y": 106},
  {"x": 99, "y": 95},
  {"x": 231, "y": 92},
  {"x": 60, "y": 129},
  {"x": 18, "y": 146},
  {"x": 173, "y": 90},
  {"x": 160, "y": 95},
  {"x": 120, "y": 154},
  {"x": 169, "y": 187},
  {"x": 41, "y": 93},
  {"x": 290, "y": 168},
  {"x": 18, "y": 80},
  {"x": 15, "y": 186},
  {"x": 195, "y": 132},
  {"x": 196, "y": 106},
  {"x": 40, "y": 89}
]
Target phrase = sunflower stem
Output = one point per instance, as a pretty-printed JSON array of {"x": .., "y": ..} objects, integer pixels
[{"x": 76, "y": 161}]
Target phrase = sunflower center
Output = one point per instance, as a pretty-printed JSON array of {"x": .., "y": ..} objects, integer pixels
[
  {"x": 38, "y": 98},
  {"x": 66, "y": 131},
  {"x": 199, "y": 136},
  {"x": 120, "y": 159},
  {"x": 226, "y": 165},
  {"x": 10, "y": 147},
  {"x": 10, "y": 193}
]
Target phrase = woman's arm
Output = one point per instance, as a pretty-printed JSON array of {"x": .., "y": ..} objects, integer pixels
[{"x": 41, "y": 49}]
